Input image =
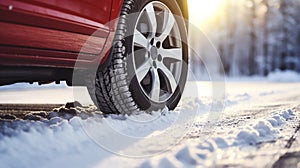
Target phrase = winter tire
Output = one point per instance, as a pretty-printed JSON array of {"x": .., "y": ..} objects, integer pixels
[{"x": 149, "y": 58}]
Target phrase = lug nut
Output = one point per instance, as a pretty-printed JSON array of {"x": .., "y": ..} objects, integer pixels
[{"x": 159, "y": 57}]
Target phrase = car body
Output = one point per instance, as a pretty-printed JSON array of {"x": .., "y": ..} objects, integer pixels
[
  {"x": 41, "y": 39},
  {"x": 132, "y": 55}
]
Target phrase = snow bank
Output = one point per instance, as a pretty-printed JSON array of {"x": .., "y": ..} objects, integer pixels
[
  {"x": 256, "y": 132},
  {"x": 276, "y": 76},
  {"x": 263, "y": 130},
  {"x": 60, "y": 138},
  {"x": 22, "y": 86},
  {"x": 248, "y": 136},
  {"x": 61, "y": 141},
  {"x": 284, "y": 76}
]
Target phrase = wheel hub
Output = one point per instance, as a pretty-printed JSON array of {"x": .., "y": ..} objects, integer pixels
[{"x": 153, "y": 52}]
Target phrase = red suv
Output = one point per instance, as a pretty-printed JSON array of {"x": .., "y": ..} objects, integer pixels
[{"x": 131, "y": 54}]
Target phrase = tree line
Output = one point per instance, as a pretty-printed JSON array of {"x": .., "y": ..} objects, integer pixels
[{"x": 254, "y": 37}]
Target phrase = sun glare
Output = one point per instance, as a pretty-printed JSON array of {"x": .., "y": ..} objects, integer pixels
[{"x": 203, "y": 11}]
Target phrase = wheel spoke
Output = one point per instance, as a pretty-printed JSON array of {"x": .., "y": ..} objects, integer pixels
[
  {"x": 152, "y": 18},
  {"x": 169, "y": 22},
  {"x": 155, "y": 92},
  {"x": 142, "y": 71},
  {"x": 169, "y": 75},
  {"x": 139, "y": 39},
  {"x": 173, "y": 53}
]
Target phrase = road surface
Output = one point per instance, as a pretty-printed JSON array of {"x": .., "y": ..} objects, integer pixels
[{"x": 256, "y": 124}]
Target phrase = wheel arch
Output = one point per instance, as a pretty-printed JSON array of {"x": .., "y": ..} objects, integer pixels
[{"x": 183, "y": 4}]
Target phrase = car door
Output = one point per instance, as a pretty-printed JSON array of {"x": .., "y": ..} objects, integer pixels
[{"x": 54, "y": 28}]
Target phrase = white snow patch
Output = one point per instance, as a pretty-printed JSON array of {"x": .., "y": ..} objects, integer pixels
[
  {"x": 264, "y": 128},
  {"x": 221, "y": 142},
  {"x": 276, "y": 76},
  {"x": 276, "y": 120},
  {"x": 289, "y": 114},
  {"x": 284, "y": 76},
  {"x": 186, "y": 156},
  {"x": 235, "y": 99},
  {"x": 165, "y": 162},
  {"x": 22, "y": 86},
  {"x": 207, "y": 146},
  {"x": 267, "y": 93},
  {"x": 248, "y": 136}
]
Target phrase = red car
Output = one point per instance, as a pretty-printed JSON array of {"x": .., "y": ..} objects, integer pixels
[{"x": 131, "y": 54}]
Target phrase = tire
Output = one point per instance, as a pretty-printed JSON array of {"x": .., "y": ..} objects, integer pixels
[{"x": 121, "y": 87}]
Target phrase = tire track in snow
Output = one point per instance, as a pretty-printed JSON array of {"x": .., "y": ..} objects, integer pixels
[{"x": 293, "y": 138}]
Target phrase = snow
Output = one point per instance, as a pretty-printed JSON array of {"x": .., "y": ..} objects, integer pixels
[
  {"x": 185, "y": 156},
  {"x": 276, "y": 76},
  {"x": 284, "y": 76},
  {"x": 22, "y": 86},
  {"x": 193, "y": 135},
  {"x": 44, "y": 94}
]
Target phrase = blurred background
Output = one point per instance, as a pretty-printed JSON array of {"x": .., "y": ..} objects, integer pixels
[{"x": 252, "y": 37}]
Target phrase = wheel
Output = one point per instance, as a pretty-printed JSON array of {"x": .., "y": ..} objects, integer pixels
[{"x": 149, "y": 59}]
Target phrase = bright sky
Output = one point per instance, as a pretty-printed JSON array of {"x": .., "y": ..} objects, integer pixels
[{"x": 203, "y": 11}]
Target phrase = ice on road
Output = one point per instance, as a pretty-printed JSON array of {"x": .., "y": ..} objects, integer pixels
[{"x": 249, "y": 127}]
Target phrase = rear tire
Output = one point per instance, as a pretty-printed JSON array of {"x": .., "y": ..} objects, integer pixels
[{"x": 118, "y": 88}]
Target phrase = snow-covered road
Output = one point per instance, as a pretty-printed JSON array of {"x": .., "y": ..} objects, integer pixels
[{"x": 251, "y": 127}]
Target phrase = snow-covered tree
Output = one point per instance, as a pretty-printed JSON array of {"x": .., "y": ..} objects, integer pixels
[{"x": 255, "y": 37}]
